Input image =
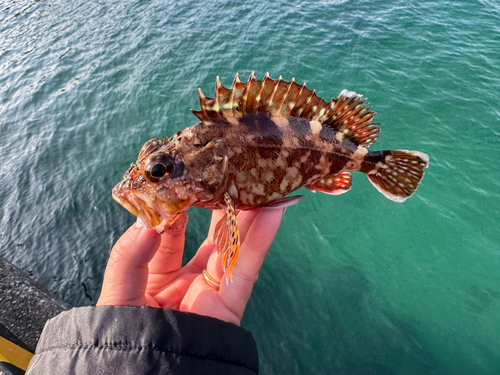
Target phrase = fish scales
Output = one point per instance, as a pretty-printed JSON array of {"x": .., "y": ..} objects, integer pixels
[
  {"x": 270, "y": 157},
  {"x": 254, "y": 145}
]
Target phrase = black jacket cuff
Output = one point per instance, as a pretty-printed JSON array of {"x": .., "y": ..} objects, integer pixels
[{"x": 142, "y": 340}]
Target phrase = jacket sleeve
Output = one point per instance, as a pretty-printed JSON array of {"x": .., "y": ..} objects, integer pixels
[{"x": 142, "y": 340}]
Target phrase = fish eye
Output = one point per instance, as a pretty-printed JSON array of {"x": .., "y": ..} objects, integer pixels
[{"x": 158, "y": 167}]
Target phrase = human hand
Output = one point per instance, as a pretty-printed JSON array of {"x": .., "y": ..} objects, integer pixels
[{"x": 145, "y": 268}]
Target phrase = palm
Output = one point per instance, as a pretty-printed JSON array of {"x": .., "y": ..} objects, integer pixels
[
  {"x": 183, "y": 289},
  {"x": 153, "y": 275}
]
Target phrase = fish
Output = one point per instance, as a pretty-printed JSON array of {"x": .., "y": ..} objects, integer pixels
[{"x": 254, "y": 144}]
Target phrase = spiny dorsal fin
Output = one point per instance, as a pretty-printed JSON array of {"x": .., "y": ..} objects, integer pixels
[{"x": 346, "y": 114}]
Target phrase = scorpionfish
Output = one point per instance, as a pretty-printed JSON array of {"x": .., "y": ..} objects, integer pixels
[{"x": 256, "y": 143}]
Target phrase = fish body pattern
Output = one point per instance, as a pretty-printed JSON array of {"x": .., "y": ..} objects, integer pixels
[{"x": 256, "y": 143}]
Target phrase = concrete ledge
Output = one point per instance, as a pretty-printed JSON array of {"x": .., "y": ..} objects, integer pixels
[{"x": 25, "y": 306}]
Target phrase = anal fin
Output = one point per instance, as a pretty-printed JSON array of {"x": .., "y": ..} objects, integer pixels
[
  {"x": 227, "y": 238},
  {"x": 334, "y": 185}
]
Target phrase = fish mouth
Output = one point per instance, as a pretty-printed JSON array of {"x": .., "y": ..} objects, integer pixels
[{"x": 152, "y": 212}]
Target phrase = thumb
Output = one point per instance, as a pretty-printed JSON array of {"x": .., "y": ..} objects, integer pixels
[{"x": 126, "y": 275}]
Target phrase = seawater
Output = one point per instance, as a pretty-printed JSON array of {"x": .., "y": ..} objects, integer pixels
[{"x": 353, "y": 284}]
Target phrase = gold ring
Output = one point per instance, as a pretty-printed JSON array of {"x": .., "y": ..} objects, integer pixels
[{"x": 210, "y": 280}]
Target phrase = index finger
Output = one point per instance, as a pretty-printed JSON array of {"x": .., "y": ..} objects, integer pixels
[{"x": 168, "y": 258}]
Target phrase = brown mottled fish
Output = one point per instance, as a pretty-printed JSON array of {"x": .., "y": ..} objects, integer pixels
[{"x": 255, "y": 144}]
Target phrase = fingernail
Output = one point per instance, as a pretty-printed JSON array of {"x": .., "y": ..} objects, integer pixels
[{"x": 138, "y": 223}]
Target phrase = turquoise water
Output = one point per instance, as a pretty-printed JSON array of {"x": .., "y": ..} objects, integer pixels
[{"x": 354, "y": 284}]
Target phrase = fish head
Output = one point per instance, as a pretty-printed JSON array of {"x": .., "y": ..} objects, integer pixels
[{"x": 157, "y": 188}]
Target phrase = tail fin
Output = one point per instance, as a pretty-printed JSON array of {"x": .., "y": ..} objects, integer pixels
[{"x": 397, "y": 173}]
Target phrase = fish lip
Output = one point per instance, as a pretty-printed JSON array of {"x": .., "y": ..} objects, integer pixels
[{"x": 138, "y": 206}]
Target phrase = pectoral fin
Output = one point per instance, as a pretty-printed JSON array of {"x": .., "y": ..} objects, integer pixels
[
  {"x": 227, "y": 237},
  {"x": 334, "y": 185}
]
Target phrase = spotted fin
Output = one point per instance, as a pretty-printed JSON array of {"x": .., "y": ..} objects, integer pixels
[
  {"x": 397, "y": 173},
  {"x": 334, "y": 185},
  {"x": 227, "y": 238},
  {"x": 347, "y": 114}
]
